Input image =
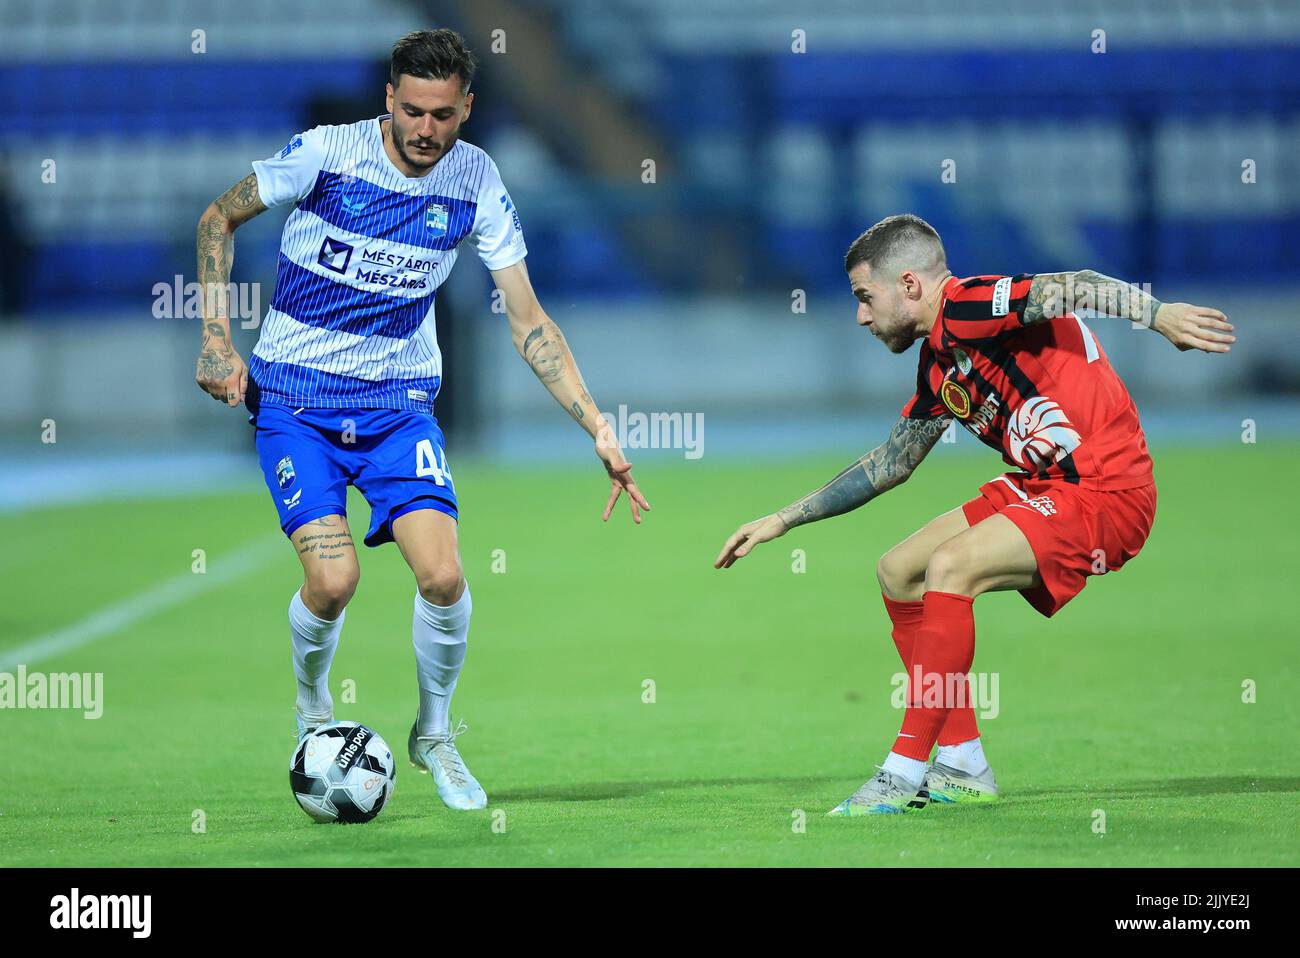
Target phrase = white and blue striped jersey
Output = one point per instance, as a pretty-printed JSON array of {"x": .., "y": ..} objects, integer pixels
[{"x": 351, "y": 323}]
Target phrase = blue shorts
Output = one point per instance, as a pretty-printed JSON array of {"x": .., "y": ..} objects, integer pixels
[{"x": 395, "y": 458}]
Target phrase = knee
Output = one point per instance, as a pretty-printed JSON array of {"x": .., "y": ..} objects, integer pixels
[
  {"x": 897, "y": 578},
  {"x": 441, "y": 583},
  {"x": 328, "y": 591},
  {"x": 951, "y": 569}
]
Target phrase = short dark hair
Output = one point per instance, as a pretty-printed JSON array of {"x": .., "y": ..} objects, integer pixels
[
  {"x": 905, "y": 239},
  {"x": 433, "y": 55}
]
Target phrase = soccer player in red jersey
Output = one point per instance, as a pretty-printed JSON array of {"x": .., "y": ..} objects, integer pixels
[{"x": 1007, "y": 357}]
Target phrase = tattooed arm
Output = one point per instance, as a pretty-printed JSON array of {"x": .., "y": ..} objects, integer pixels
[
  {"x": 221, "y": 372},
  {"x": 888, "y": 465},
  {"x": 1186, "y": 326},
  {"x": 542, "y": 345}
]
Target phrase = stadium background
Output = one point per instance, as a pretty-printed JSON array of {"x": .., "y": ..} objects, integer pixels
[{"x": 679, "y": 295}]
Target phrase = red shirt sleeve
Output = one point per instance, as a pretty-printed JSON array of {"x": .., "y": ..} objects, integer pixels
[
  {"x": 924, "y": 404},
  {"x": 984, "y": 307}
]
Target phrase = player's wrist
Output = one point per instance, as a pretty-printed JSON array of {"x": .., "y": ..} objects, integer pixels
[{"x": 606, "y": 440}]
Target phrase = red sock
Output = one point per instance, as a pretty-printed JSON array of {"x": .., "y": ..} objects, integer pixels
[
  {"x": 944, "y": 647},
  {"x": 906, "y": 617},
  {"x": 960, "y": 725}
]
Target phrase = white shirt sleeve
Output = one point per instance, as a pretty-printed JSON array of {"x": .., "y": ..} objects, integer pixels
[
  {"x": 497, "y": 232},
  {"x": 290, "y": 175}
]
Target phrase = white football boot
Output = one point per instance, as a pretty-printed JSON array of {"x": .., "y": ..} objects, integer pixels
[
  {"x": 883, "y": 794},
  {"x": 953, "y": 786},
  {"x": 437, "y": 754}
]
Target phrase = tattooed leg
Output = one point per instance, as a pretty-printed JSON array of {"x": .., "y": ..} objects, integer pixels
[{"x": 329, "y": 564}]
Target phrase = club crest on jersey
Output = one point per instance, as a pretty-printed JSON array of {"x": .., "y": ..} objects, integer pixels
[
  {"x": 963, "y": 361},
  {"x": 291, "y": 146},
  {"x": 955, "y": 398},
  {"x": 284, "y": 473},
  {"x": 436, "y": 218}
]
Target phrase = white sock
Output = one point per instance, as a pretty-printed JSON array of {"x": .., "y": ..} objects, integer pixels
[
  {"x": 909, "y": 768},
  {"x": 314, "y": 642},
  {"x": 965, "y": 757},
  {"x": 440, "y": 635}
]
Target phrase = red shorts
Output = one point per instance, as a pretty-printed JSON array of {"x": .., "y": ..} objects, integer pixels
[{"x": 1074, "y": 532}]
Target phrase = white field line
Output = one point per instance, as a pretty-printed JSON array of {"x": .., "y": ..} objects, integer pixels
[{"x": 175, "y": 591}]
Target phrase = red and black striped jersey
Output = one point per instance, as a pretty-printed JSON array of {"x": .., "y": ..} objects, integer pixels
[{"x": 1044, "y": 395}]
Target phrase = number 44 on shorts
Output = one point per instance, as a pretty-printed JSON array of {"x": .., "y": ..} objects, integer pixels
[{"x": 431, "y": 461}]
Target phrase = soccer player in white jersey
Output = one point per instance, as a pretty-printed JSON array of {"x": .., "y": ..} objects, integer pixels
[{"x": 341, "y": 384}]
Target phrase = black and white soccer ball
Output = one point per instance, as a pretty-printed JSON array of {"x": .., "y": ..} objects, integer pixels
[{"x": 342, "y": 772}]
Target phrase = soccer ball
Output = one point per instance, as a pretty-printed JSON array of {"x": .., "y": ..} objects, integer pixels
[{"x": 342, "y": 772}]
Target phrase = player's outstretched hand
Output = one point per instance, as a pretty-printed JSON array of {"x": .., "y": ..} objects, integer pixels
[
  {"x": 222, "y": 375},
  {"x": 744, "y": 539},
  {"x": 621, "y": 481},
  {"x": 1194, "y": 327}
]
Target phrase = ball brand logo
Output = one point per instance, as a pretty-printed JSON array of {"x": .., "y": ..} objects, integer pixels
[
  {"x": 955, "y": 398},
  {"x": 1040, "y": 434},
  {"x": 349, "y": 752}
]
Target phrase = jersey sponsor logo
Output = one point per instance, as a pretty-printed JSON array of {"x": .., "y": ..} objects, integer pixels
[
  {"x": 419, "y": 395},
  {"x": 284, "y": 473},
  {"x": 395, "y": 280},
  {"x": 980, "y": 422},
  {"x": 436, "y": 218},
  {"x": 508, "y": 207},
  {"x": 377, "y": 256},
  {"x": 291, "y": 146},
  {"x": 1043, "y": 504},
  {"x": 293, "y": 499},
  {"x": 1002, "y": 296},
  {"x": 1039, "y": 434},
  {"x": 334, "y": 255},
  {"x": 955, "y": 398}
]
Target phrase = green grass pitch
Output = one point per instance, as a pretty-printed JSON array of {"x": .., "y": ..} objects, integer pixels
[{"x": 772, "y": 689}]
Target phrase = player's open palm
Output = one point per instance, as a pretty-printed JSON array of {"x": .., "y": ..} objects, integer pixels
[
  {"x": 1194, "y": 327},
  {"x": 744, "y": 539},
  {"x": 222, "y": 375}
]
